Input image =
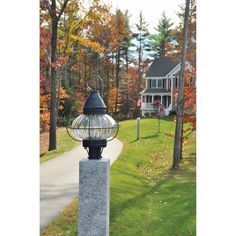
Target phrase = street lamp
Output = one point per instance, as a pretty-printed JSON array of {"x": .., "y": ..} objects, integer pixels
[{"x": 94, "y": 126}]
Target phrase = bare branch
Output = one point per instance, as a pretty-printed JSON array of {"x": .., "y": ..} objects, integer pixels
[{"x": 62, "y": 9}]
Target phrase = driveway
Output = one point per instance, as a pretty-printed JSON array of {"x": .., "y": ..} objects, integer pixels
[{"x": 59, "y": 179}]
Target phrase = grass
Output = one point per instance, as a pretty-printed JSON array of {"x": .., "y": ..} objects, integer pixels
[
  {"x": 64, "y": 144},
  {"x": 147, "y": 198},
  {"x": 65, "y": 224}
]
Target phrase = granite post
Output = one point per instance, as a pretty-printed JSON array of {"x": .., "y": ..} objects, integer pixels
[{"x": 94, "y": 197}]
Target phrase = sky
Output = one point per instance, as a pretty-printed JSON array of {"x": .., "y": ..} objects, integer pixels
[{"x": 151, "y": 9}]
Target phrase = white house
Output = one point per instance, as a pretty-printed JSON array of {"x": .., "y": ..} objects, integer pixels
[{"x": 161, "y": 79}]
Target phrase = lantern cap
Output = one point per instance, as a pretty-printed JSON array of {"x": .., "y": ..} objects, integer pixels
[{"x": 94, "y": 104}]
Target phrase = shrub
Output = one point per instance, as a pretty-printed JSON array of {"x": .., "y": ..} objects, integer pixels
[
  {"x": 153, "y": 114},
  {"x": 65, "y": 121},
  {"x": 147, "y": 114},
  {"x": 171, "y": 113}
]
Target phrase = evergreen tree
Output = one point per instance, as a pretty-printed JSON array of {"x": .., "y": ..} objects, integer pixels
[
  {"x": 142, "y": 46},
  {"x": 163, "y": 37},
  {"x": 127, "y": 41}
]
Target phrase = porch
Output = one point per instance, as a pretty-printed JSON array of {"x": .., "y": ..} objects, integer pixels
[{"x": 148, "y": 100}]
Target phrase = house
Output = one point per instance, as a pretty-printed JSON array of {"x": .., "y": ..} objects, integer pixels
[{"x": 161, "y": 79}]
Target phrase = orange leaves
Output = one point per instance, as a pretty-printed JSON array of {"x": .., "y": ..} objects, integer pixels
[
  {"x": 112, "y": 98},
  {"x": 63, "y": 93},
  {"x": 44, "y": 121},
  {"x": 189, "y": 115},
  {"x": 44, "y": 100},
  {"x": 81, "y": 98},
  {"x": 88, "y": 43}
]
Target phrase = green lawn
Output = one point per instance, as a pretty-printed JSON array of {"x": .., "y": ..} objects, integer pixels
[
  {"x": 147, "y": 198},
  {"x": 64, "y": 144}
]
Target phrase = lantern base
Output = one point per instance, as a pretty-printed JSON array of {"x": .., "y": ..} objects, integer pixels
[{"x": 95, "y": 148}]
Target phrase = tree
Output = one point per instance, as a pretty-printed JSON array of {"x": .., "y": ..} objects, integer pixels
[
  {"x": 55, "y": 16},
  {"x": 191, "y": 35},
  {"x": 127, "y": 41},
  {"x": 189, "y": 113},
  {"x": 163, "y": 37},
  {"x": 180, "y": 99},
  {"x": 77, "y": 53},
  {"x": 123, "y": 33},
  {"x": 141, "y": 35},
  {"x": 128, "y": 92}
]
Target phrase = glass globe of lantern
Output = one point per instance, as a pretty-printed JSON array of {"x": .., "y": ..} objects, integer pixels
[{"x": 94, "y": 126}]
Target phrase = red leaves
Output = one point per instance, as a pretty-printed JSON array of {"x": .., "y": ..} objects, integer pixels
[{"x": 45, "y": 37}]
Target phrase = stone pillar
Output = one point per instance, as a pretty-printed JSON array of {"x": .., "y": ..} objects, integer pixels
[{"x": 94, "y": 197}]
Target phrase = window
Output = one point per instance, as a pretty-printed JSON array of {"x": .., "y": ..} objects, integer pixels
[
  {"x": 169, "y": 84},
  {"x": 160, "y": 83},
  {"x": 149, "y": 83},
  {"x": 148, "y": 98},
  {"x": 169, "y": 101},
  {"x": 156, "y": 83},
  {"x": 177, "y": 82}
]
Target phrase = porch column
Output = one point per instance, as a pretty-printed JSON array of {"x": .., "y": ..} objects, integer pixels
[
  {"x": 161, "y": 98},
  {"x": 171, "y": 100},
  {"x": 152, "y": 98},
  {"x": 172, "y": 83}
]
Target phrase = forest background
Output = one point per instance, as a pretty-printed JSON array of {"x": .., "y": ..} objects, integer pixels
[
  {"x": 20, "y": 102},
  {"x": 93, "y": 46}
]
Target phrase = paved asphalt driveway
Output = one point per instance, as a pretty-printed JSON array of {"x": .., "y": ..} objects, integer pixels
[{"x": 59, "y": 179}]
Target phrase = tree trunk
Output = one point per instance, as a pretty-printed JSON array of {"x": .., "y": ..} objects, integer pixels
[
  {"x": 53, "y": 100},
  {"x": 180, "y": 99},
  {"x": 139, "y": 66},
  {"x": 126, "y": 60},
  {"x": 107, "y": 88},
  {"x": 52, "y": 10},
  {"x": 181, "y": 144},
  {"x": 117, "y": 78}
]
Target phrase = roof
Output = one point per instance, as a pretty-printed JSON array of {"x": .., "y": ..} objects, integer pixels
[
  {"x": 155, "y": 90},
  {"x": 160, "y": 67}
]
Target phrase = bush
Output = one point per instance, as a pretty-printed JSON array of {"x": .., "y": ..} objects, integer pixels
[
  {"x": 147, "y": 114},
  {"x": 171, "y": 113},
  {"x": 153, "y": 114},
  {"x": 65, "y": 121}
]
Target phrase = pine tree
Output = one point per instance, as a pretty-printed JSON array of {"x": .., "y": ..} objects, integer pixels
[
  {"x": 163, "y": 37},
  {"x": 141, "y": 35}
]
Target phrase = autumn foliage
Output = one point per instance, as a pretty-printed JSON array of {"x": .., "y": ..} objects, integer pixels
[{"x": 95, "y": 48}]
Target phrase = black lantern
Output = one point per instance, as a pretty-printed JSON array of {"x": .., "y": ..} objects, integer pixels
[{"x": 94, "y": 126}]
